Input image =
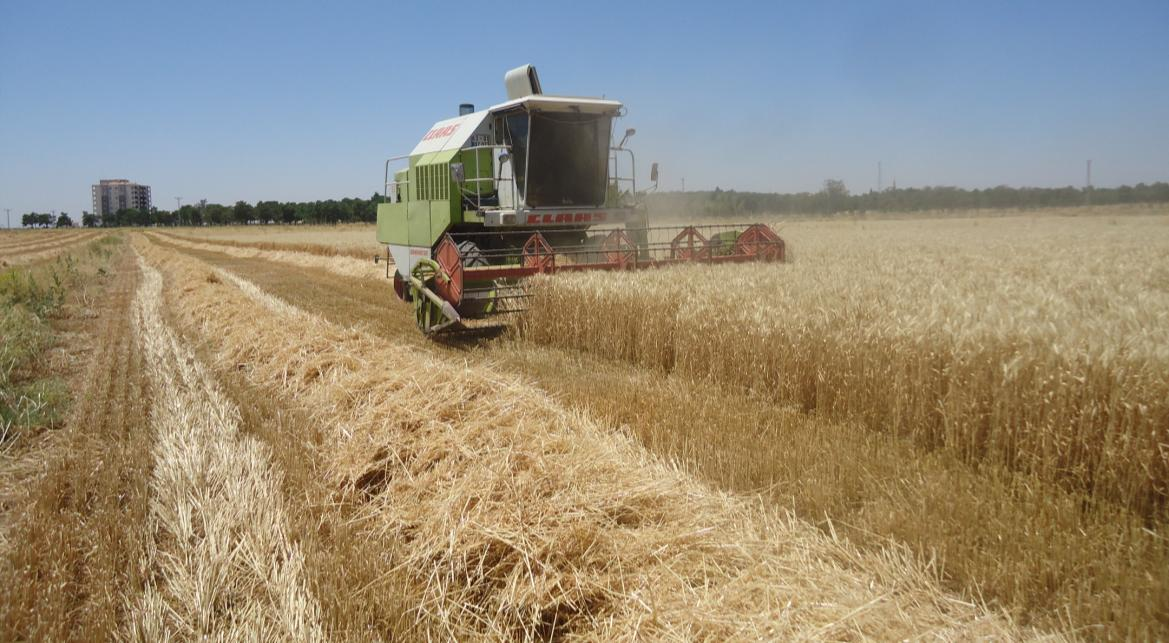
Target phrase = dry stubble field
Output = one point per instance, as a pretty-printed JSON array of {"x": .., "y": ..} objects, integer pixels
[{"x": 917, "y": 428}]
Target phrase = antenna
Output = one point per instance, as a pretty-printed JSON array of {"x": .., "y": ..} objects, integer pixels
[{"x": 178, "y": 203}]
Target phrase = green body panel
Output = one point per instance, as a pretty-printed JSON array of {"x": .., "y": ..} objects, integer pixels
[
  {"x": 430, "y": 202},
  {"x": 418, "y": 214},
  {"x": 391, "y": 223}
]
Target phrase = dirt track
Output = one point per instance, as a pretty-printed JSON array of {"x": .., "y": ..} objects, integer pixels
[{"x": 76, "y": 524}]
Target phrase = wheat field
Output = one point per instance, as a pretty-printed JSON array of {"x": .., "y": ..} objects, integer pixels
[
  {"x": 1038, "y": 343},
  {"x": 947, "y": 428}
]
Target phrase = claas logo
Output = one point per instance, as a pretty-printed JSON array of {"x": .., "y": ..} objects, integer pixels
[
  {"x": 440, "y": 132},
  {"x": 566, "y": 217}
]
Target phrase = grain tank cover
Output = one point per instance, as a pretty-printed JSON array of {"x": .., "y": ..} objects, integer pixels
[
  {"x": 522, "y": 81},
  {"x": 451, "y": 134}
]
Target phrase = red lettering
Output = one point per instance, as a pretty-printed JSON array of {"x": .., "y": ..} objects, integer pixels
[
  {"x": 440, "y": 132},
  {"x": 562, "y": 218}
]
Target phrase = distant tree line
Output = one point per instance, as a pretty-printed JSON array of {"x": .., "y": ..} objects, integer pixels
[
  {"x": 835, "y": 198},
  {"x": 45, "y": 220},
  {"x": 244, "y": 213}
]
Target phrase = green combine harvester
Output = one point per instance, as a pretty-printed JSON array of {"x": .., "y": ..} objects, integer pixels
[{"x": 532, "y": 185}]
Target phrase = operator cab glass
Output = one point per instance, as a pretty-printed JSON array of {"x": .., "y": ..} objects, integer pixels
[
  {"x": 569, "y": 159},
  {"x": 559, "y": 158}
]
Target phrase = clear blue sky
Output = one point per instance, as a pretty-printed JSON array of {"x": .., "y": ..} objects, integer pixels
[{"x": 298, "y": 101}]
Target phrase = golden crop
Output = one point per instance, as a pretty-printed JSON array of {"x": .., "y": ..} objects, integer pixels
[{"x": 1038, "y": 343}]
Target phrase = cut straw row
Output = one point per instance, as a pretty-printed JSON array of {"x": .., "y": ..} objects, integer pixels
[
  {"x": 363, "y": 252},
  {"x": 222, "y": 565},
  {"x": 28, "y": 254},
  {"x": 339, "y": 265},
  {"x": 520, "y": 519},
  {"x": 17, "y": 245}
]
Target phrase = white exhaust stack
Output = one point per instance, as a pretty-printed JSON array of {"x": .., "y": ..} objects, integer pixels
[{"x": 522, "y": 81}]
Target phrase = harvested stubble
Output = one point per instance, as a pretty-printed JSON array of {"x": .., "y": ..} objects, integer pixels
[
  {"x": 1038, "y": 344},
  {"x": 340, "y": 265},
  {"x": 25, "y": 238},
  {"x": 73, "y": 498},
  {"x": 520, "y": 519},
  {"x": 359, "y": 237},
  {"x": 35, "y": 252},
  {"x": 55, "y": 236},
  {"x": 320, "y": 249},
  {"x": 220, "y": 561}
]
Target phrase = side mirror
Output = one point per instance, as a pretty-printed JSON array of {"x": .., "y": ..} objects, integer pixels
[
  {"x": 653, "y": 173},
  {"x": 457, "y": 174},
  {"x": 629, "y": 132}
]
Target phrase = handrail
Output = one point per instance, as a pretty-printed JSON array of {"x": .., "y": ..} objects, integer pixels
[
  {"x": 632, "y": 168},
  {"x": 614, "y": 176},
  {"x": 494, "y": 179},
  {"x": 386, "y": 185}
]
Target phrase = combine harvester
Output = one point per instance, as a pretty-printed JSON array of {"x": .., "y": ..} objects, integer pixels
[{"x": 530, "y": 186}]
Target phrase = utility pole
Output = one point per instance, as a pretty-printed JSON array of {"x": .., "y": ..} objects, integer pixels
[
  {"x": 8, "y": 216},
  {"x": 879, "y": 176},
  {"x": 1088, "y": 183},
  {"x": 178, "y": 203}
]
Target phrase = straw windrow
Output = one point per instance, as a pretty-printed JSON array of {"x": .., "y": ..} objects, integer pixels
[
  {"x": 223, "y": 565},
  {"x": 520, "y": 519},
  {"x": 26, "y": 254},
  {"x": 344, "y": 266}
]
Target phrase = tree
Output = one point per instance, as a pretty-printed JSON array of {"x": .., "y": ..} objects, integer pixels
[
  {"x": 215, "y": 214},
  {"x": 268, "y": 212},
  {"x": 836, "y": 195},
  {"x": 88, "y": 220},
  {"x": 189, "y": 215},
  {"x": 63, "y": 220},
  {"x": 242, "y": 212}
]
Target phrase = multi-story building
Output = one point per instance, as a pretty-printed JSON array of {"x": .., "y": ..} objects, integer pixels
[{"x": 111, "y": 195}]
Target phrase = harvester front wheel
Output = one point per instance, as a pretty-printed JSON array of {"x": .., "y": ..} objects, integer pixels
[
  {"x": 431, "y": 312},
  {"x": 401, "y": 288}
]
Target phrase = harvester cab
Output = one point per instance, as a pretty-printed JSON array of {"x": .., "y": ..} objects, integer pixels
[{"x": 532, "y": 185}]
